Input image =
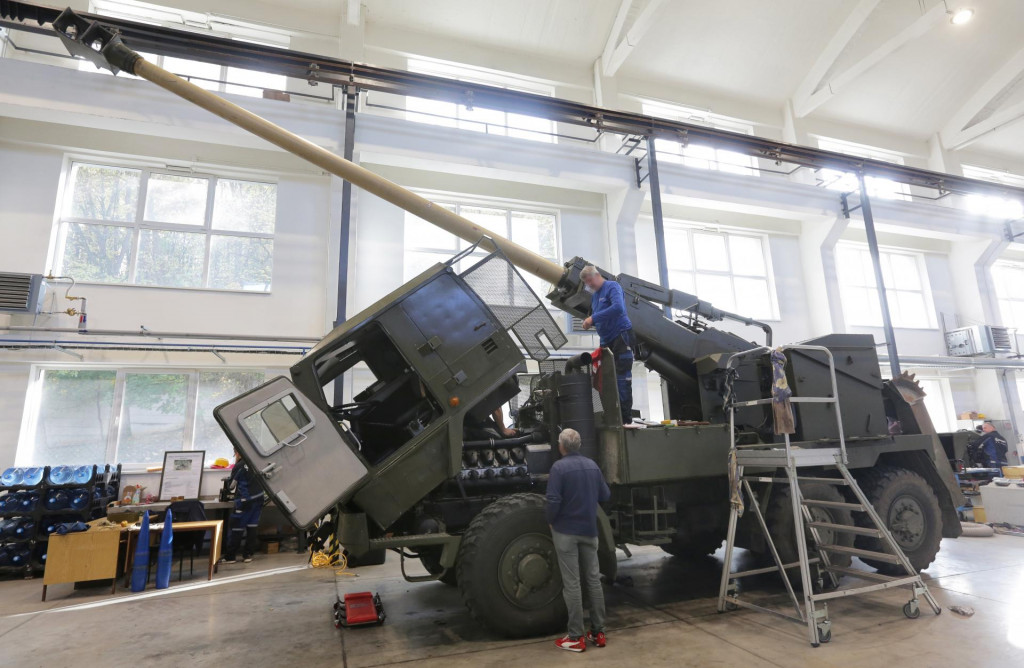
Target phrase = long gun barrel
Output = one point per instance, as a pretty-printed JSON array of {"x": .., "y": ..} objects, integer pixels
[{"x": 666, "y": 346}]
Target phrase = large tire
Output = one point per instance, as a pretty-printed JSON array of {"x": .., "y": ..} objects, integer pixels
[
  {"x": 779, "y": 518},
  {"x": 508, "y": 570},
  {"x": 694, "y": 547},
  {"x": 908, "y": 505}
]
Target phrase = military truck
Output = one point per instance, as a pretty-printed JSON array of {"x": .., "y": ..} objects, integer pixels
[{"x": 413, "y": 462}]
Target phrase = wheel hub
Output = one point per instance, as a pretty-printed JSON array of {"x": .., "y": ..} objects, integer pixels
[
  {"x": 528, "y": 572},
  {"x": 906, "y": 522}
]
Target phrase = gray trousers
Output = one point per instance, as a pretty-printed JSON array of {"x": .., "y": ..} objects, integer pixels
[{"x": 576, "y": 553}]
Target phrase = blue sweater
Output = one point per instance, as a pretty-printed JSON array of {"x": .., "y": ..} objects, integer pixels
[
  {"x": 575, "y": 487},
  {"x": 608, "y": 312}
]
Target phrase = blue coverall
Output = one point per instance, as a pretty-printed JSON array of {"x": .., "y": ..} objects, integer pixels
[
  {"x": 608, "y": 313},
  {"x": 245, "y": 518}
]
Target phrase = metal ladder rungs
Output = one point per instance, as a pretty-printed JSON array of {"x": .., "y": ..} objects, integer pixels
[
  {"x": 868, "y": 575},
  {"x": 842, "y": 505},
  {"x": 846, "y": 528},
  {"x": 827, "y": 481},
  {"x": 857, "y": 552},
  {"x": 769, "y": 569}
]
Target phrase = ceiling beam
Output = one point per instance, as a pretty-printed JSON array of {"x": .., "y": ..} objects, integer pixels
[
  {"x": 835, "y": 47},
  {"x": 976, "y": 117},
  {"x": 915, "y": 30},
  {"x": 612, "y": 59},
  {"x": 613, "y": 34}
]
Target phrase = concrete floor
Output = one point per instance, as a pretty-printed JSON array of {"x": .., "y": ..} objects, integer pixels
[{"x": 275, "y": 612}]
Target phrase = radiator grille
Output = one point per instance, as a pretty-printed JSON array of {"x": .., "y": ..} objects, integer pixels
[{"x": 19, "y": 293}]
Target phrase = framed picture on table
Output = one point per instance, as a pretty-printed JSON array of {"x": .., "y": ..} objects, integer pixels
[{"x": 181, "y": 475}]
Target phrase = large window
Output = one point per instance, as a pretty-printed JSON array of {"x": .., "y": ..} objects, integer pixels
[
  {"x": 847, "y": 181},
  {"x": 131, "y": 417},
  {"x": 698, "y": 155},
  {"x": 537, "y": 230},
  {"x": 989, "y": 205},
  {"x": 905, "y": 282},
  {"x": 146, "y": 227},
  {"x": 732, "y": 270},
  {"x": 939, "y": 402},
  {"x": 1008, "y": 281},
  {"x": 489, "y": 121},
  {"x": 220, "y": 78}
]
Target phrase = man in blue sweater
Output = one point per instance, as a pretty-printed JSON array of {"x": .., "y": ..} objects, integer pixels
[
  {"x": 575, "y": 487},
  {"x": 608, "y": 316}
]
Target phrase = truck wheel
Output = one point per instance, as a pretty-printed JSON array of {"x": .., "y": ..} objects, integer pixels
[
  {"x": 508, "y": 570},
  {"x": 779, "y": 518},
  {"x": 694, "y": 547},
  {"x": 431, "y": 560},
  {"x": 908, "y": 506}
]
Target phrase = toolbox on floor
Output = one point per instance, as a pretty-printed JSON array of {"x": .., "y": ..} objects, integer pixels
[{"x": 359, "y": 609}]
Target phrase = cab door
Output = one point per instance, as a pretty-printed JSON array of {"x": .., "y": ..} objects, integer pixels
[{"x": 297, "y": 450}]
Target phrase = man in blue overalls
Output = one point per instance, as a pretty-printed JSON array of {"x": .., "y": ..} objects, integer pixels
[
  {"x": 608, "y": 316},
  {"x": 245, "y": 518}
]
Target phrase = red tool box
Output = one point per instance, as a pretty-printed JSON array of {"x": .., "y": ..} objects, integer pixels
[{"x": 359, "y": 609}]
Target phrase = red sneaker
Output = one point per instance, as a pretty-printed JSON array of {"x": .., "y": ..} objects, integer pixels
[
  {"x": 571, "y": 645},
  {"x": 597, "y": 638}
]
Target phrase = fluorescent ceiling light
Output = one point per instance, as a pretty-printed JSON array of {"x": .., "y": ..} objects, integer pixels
[{"x": 961, "y": 16}]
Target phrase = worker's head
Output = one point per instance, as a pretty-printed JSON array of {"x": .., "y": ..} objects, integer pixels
[
  {"x": 986, "y": 427},
  {"x": 592, "y": 278},
  {"x": 569, "y": 441}
]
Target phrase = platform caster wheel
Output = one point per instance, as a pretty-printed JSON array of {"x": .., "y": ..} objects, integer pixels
[
  {"x": 824, "y": 635},
  {"x": 911, "y": 610},
  {"x": 731, "y": 607}
]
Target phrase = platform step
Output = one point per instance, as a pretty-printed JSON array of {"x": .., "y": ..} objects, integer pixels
[
  {"x": 870, "y": 575},
  {"x": 864, "y": 554},
  {"x": 846, "y": 528},
  {"x": 842, "y": 505},
  {"x": 827, "y": 481}
]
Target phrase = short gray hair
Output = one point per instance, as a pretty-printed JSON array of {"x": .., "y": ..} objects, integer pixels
[
  {"x": 589, "y": 270},
  {"x": 570, "y": 440}
]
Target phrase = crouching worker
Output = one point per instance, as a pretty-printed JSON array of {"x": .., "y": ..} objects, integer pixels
[
  {"x": 245, "y": 518},
  {"x": 575, "y": 487}
]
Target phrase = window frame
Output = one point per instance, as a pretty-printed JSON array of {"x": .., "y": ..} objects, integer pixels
[
  {"x": 139, "y": 223},
  {"x": 902, "y": 190},
  {"x": 674, "y": 152},
  {"x": 1006, "y": 317},
  {"x": 923, "y": 278},
  {"x": 458, "y": 201},
  {"x": 201, "y": 23},
  {"x": 33, "y": 405},
  {"x": 764, "y": 238},
  {"x": 494, "y": 78},
  {"x": 946, "y": 397},
  {"x": 992, "y": 206}
]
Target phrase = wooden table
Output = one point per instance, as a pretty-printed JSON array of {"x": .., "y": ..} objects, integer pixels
[
  {"x": 215, "y": 527},
  {"x": 83, "y": 556}
]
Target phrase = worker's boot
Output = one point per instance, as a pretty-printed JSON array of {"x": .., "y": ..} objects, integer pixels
[{"x": 252, "y": 540}]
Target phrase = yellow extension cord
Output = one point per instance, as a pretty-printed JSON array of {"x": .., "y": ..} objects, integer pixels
[{"x": 334, "y": 559}]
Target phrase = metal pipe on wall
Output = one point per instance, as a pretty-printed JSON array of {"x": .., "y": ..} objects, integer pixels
[{"x": 157, "y": 335}]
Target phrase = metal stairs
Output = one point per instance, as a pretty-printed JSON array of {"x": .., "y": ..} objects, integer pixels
[{"x": 811, "y": 605}]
